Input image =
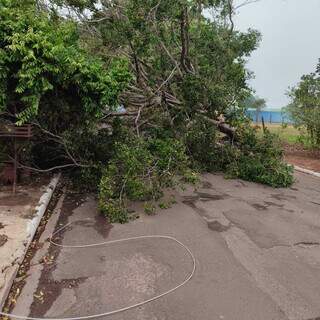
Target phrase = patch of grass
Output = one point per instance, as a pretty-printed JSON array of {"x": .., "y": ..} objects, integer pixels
[
  {"x": 287, "y": 133},
  {"x": 149, "y": 208}
]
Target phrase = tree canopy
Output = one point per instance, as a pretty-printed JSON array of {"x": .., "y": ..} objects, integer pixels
[
  {"x": 304, "y": 108},
  {"x": 134, "y": 95},
  {"x": 40, "y": 59},
  {"x": 255, "y": 102}
]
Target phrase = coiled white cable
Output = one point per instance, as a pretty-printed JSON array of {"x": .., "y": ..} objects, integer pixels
[{"x": 108, "y": 243}]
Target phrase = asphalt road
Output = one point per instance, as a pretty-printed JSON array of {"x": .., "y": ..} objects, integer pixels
[{"x": 257, "y": 251}]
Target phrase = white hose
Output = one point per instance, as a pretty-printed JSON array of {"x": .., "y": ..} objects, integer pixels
[{"x": 107, "y": 243}]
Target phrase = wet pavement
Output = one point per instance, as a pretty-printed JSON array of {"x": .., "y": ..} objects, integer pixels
[{"x": 257, "y": 252}]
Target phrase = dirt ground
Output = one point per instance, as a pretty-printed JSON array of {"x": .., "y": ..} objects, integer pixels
[
  {"x": 16, "y": 214},
  {"x": 257, "y": 253},
  {"x": 297, "y": 155},
  {"x": 295, "y": 152}
]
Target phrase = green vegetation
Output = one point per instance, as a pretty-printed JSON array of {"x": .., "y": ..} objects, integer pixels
[
  {"x": 254, "y": 102},
  {"x": 260, "y": 160},
  {"x": 133, "y": 99},
  {"x": 139, "y": 170},
  {"x": 286, "y": 133},
  {"x": 304, "y": 108},
  {"x": 43, "y": 69}
]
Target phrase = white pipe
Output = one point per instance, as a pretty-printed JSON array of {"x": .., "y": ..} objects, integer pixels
[{"x": 121, "y": 309}]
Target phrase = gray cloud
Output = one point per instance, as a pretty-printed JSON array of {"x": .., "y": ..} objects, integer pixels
[{"x": 289, "y": 46}]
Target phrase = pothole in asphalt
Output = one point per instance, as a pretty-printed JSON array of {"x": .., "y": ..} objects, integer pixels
[
  {"x": 282, "y": 197},
  {"x": 258, "y": 206},
  {"x": 217, "y": 226},
  {"x": 204, "y": 196},
  {"x": 210, "y": 197},
  {"x": 307, "y": 244},
  {"x": 273, "y": 204},
  {"x": 3, "y": 239}
]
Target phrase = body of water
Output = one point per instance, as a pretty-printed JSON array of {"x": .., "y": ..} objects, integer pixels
[{"x": 269, "y": 116}]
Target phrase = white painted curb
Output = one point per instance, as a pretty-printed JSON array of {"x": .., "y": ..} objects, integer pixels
[
  {"x": 313, "y": 173},
  {"x": 40, "y": 210}
]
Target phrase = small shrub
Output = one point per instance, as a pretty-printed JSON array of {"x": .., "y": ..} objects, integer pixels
[
  {"x": 203, "y": 147},
  {"x": 139, "y": 170},
  {"x": 164, "y": 205},
  {"x": 260, "y": 159},
  {"x": 149, "y": 208},
  {"x": 252, "y": 157}
]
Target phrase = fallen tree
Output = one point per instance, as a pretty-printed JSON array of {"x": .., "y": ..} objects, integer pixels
[{"x": 134, "y": 96}]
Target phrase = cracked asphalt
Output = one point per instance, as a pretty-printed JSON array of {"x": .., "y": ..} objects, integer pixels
[{"x": 257, "y": 251}]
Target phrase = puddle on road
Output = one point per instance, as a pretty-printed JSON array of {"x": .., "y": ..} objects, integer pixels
[
  {"x": 99, "y": 223},
  {"x": 53, "y": 289},
  {"x": 203, "y": 197},
  {"x": 258, "y": 206},
  {"x": 102, "y": 226},
  {"x": 47, "y": 283},
  {"x": 266, "y": 205},
  {"x": 217, "y": 226},
  {"x": 281, "y": 197},
  {"x": 307, "y": 244},
  {"x": 273, "y": 204},
  {"x": 191, "y": 202}
]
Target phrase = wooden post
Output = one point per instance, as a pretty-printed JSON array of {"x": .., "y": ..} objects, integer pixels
[
  {"x": 263, "y": 125},
  {"x": 14, "y": 188}
]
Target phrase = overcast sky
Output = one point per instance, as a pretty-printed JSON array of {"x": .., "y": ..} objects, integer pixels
[{"x": 290, "y": 44}]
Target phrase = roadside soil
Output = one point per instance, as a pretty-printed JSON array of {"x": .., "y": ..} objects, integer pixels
[
  {"x": 17, "y": 212},
  {"x": 299, "y": 156}
]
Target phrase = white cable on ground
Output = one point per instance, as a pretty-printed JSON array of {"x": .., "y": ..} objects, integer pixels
[{"x": 108, "y": 243}]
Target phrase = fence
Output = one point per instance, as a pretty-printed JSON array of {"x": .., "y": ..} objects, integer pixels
[{"x": 269, "y": 116}]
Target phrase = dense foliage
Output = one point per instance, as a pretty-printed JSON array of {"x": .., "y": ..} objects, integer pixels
[
  {"x": 47, "y": 79},
  {"x": 140, "y": 170},
  {"x": 136, "y": 96},
  {"x": 304, "y": 108},
  {"x": 43, "y": 69}
]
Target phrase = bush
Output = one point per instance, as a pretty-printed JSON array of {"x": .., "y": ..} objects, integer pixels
[
  {"x": 139, "y": 170},
  {"x": 260, "y": 159},
  {"x": 252, "y": 158},
  {"x": 132, "y": 168},
  {"x": 205, "y": 148},
  {"x": 304, "y": 108}
]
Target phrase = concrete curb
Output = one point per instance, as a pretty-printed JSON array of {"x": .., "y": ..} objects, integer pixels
[
  {"x": 40, "y": 210},
  {"x": 313, "y": 173},
  {"x": 31, "y": 230}
]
